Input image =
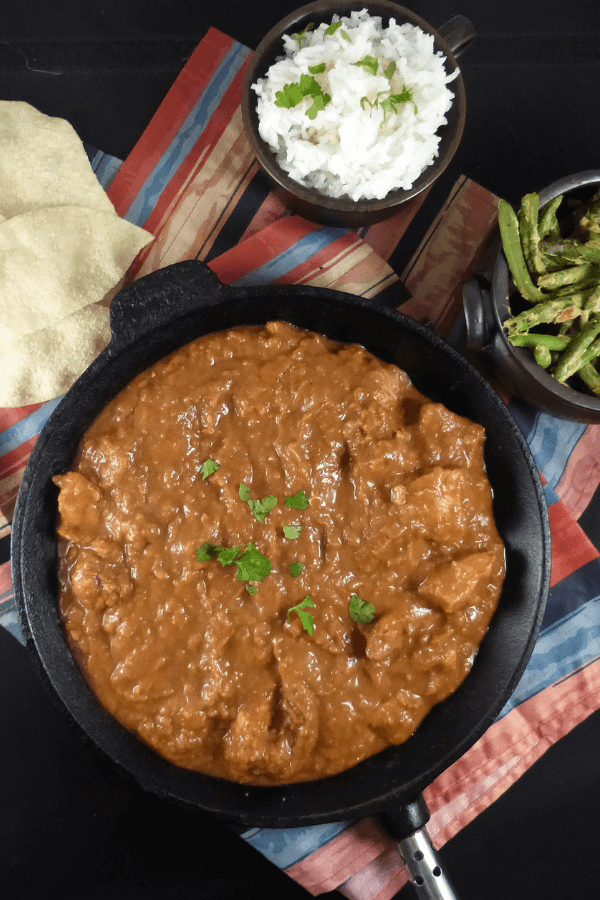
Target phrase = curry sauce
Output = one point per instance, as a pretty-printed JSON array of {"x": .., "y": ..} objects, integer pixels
[{"x": 224, "y": 512}]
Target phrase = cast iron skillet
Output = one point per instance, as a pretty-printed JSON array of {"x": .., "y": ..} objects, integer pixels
[{"x": 155, "y": 316}]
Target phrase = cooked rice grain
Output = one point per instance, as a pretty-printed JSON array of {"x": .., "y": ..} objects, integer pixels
[{"x": 349, "y": 149}]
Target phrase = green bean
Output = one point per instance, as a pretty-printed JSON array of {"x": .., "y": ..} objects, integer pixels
[
  {"x": 528, "y": 228},
  {"x": 511, "y": 240},
  {"x": 591, "y": 377},
  {"x": 542, "y": 356},
  {"x": 551, "y": 341},
  {"x": 590, "y": 220},
  {"x": 548, "y": 225},
  {"x": 592, "y": 353},
  {"x": 571, "y": 358},
  {"x": 542, "y": 313},
  {"x": 569, "y": 275}
]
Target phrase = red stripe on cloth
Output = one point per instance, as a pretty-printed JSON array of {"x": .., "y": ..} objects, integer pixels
[
  {"x": 384, "y": 236},
  {"x": 261, "y": 248},
  {"x": 269, "y": 212},
  {"x": 582, "y": 474},
  {"x": 329, "y": 256},
  {"x": 507, "y": 750},
  {"x": 214, "y": 130},
  {"x": 341, "y": 858},
  {"x": 6, "y": 584},
  {"x": 17, "y": 458},
  {"x": 10, "y": 415},
  {"x": 571, "y": 547},
  {"x": 169, "y": 118},
  {"x": 380, "y": 880}
]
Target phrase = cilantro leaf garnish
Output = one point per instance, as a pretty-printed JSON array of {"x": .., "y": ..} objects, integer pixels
[
  {"x": 300, "y": 35},
  {"x": 370, "y": 63},
  {"x": 260, "y": 508},
  {"x": 319, "y": 103},
  {"x": 361, "y": 610},
  {"x": 390, "y": 104},
  {"x": 308, "y": 86},
  {"x": 318, "y": 69},
  {"x": 252, "y": 565},
  {"x": 333, "y": 27},
  {"x": 390, "y": 70},
  {"x": 292, "y": 532},
  {"x": 227, "y": 557},
  {"x": 207, "y": 552},
  {"x": 251, "y": 588},
  {"x": 308, "y": 621},
  {"x": 296, "y": 569},
  {"x": 290, "y": 96},
  {"x": 298, "y": 501},
  {"x": 208, "y": 468}
]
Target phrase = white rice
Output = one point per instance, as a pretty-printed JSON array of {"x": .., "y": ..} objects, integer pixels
[{"x": 348, "y": 150}]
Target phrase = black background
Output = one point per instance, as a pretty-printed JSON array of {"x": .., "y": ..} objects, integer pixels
[{"x": 69, "y": 823}]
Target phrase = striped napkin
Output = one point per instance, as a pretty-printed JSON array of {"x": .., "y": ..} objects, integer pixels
[{"x": 193, "y": 182}]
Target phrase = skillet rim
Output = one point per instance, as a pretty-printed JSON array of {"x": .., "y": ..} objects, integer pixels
[{"x": 288, "y": 805}]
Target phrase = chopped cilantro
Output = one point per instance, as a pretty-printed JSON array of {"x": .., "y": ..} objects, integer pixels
[
  {"x": 298, "y": 501},
  {"x": 317, "y": 70},
  {"x": 227, "y": 557},
  {"x": 308, "y": 621},
  {"x": 346, "y": 36},
  {"x": 252, "y": 565},
  {"x": 370, "y": 63},
  {"x": 390, "y": 70},
  {"x": 290, "y": 96},
  {"x": 251, "y": 588},
  {"x": 296, "y": 569},
  {"x": 300, "y": 35},
  {"x": 390, "y": 104},
  {"x": 308, "y": 86},
  {"x": 207, "y": 552},
  {"x": 292, "y": 532},
  {"x": 333, "y": 28},
  {"x": 260, "y": 508},
  {"x": 208, "y": 468},
  {"x": 361, "y": 610}
]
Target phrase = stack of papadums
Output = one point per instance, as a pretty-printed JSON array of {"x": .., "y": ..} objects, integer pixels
[{"x": 63, "y": 255}]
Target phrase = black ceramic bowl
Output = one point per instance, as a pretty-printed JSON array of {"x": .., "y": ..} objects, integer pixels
[
  {"x": 157, "y": 315},
  {"x": 451, "y": 39},
  {"x": 486, "y": 304}
]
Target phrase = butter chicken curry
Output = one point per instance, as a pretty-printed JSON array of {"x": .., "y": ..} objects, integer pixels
[{"x": 276, "y": 555}]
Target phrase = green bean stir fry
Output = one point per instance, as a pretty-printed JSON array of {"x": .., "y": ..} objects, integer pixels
[{"x": 560, "y": 278}]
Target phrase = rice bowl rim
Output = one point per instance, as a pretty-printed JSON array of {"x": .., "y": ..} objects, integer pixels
[{"x": 271, "y": 47}]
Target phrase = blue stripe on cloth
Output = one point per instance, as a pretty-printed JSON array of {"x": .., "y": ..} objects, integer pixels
[
  {"x": 552, "y": 441},
  {"x": 286, "y": 846},
  {"x": 571, "y": 593},
  {"x": 105, "y": 167},
  {"x": 187, "y": 136},
  {"x": 302, "y": 251},
  {"x": 570, "y": 644},
  {"x": 9, "y": 619},
  {"x": 27, "y": 428}
]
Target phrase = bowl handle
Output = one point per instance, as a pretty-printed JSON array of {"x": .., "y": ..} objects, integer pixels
[
  {"x": 160, "y": 297},
  {"x": 458, "y": 33},
  {"x": 476, "y": 304}
]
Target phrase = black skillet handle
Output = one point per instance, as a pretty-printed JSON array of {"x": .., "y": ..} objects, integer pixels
[
  {"x": 159, "y": 298},
  {"x": 406, "y": 825}
]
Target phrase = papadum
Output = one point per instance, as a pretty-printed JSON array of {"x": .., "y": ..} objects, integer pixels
[
  {"x": 43, "y": 163},
  {"x": 43, "y": 365},
  {"x": 58, "y": 260}
]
